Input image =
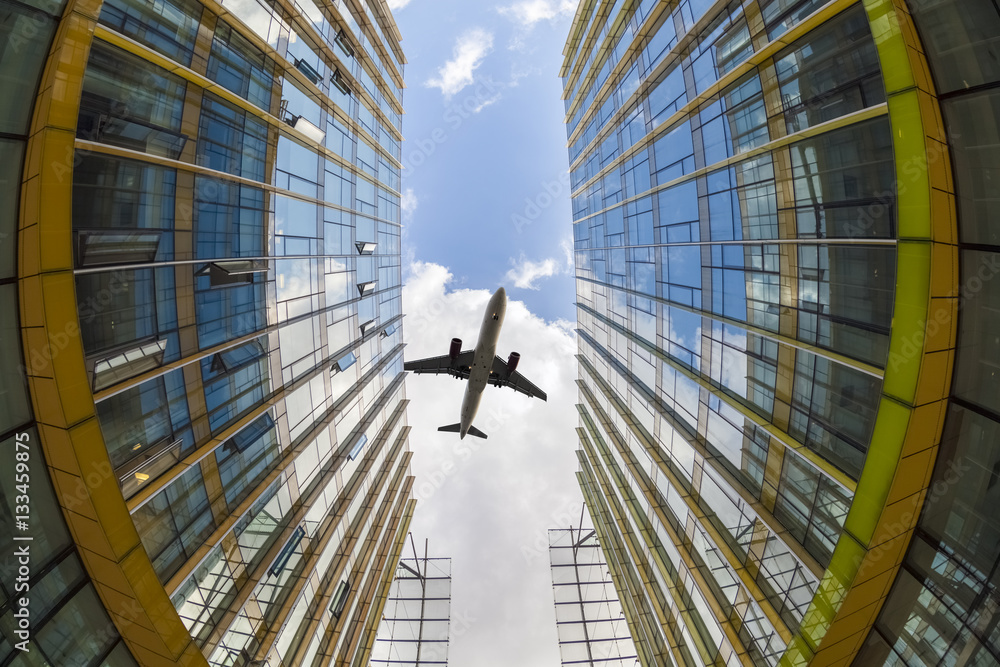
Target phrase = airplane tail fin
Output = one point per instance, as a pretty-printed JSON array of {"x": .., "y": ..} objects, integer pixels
[{"x": 457, "y": 428}]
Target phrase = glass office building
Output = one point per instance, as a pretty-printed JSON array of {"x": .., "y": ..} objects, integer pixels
[
  {"x": 201, "y": 343},
  {"x": 786, "y": 242}
]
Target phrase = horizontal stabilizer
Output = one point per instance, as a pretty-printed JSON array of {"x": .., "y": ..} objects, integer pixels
[{"x": 457, "y": 428}]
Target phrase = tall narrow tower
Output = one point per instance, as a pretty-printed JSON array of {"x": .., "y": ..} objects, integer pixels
[{"x": 787, "y": 297}]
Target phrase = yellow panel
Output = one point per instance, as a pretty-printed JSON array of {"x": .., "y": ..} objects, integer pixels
[
  {"x": 876, "y": 477},
  {"x": 66, "y": 345},
  {"x": 935, "y": 376},
  {"x": 909, "y": 313},
  {"x": 30, "y": 300},
  {"x": 866, "y": 592},
  {"x": 941, "y": 323},
  {"x": 924, "y": 430},
  {"x": 912, "y": 476},
  {"x": 912, "y": 179},
  {"x": 892, "y": 55}
]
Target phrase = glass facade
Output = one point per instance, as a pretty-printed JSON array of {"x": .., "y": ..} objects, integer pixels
[
  {"x": 589, "y": 617},
  {"x": 944, "y": 608},
  {"x": 745, "y": 221},
  {"x": 416, "y": 619},
  {"x": 207, "y": 253}
]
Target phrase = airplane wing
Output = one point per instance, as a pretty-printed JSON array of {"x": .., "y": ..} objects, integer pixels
[
  {"x": 458, "y": 367},
  {"x": 501, "y": 378}
]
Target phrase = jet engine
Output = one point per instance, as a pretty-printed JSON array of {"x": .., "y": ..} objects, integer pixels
[
  {"x": 456, "y": 348},
  {"x": 512, "y": 361}
]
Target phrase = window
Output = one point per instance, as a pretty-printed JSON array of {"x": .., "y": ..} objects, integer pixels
[
  {"x": 169, "y": 26},
  {"x": 117, "y": 308},
  {"x": 344, "y": 43},
  {"x": 235, "y": 381},
  {"x": 845, "y": 299},
  {"x": 851, "y": 191},
  {"x": 128, "y": 363},
  {"x": 358, "y": 446},
  {"x": 340, "y": 82},
  {"x": 246, "y": 458},
  {"x": 237, "y": 65},
  {"x": 345, "y": 362},
  {"x": 26, "y": 35},
  {"x": 833, "y": 410},
  {"x": 225, "y": 314},
  {"x": 175, "y": 523},
  {"x": 230, "y": 140},
  {"x": 111, "y": 193},
  {"x": 233, "y": 272},
  {"x": 132, "y": 103},
  {"x": 228, "y": 219},
  {"x": 976, "y": 378},
  {"x": 286, "y": 553},
  {"x": 811, "y": 506},
  {"x": 138, "y": 421},
  {"x": 98, "y": 248},
  {"x": 339, "y": 598},
  {"x": 832, "y": 71},
  {"x": 308, "y": 70}
]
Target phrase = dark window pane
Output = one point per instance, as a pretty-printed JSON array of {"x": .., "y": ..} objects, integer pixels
[
  {"x": 845, "y": 182},
  {"x": 26, "y": 36},
  {"x": 962, "y": 40},
  {"x": 833, "y": 410},
  {"x": 831, "y": 72},
  {"x": 973, "y": 122},
  {"x": 131, "y": 103},
  {"x": 78, "y": 633},
  {"x": 976, "y": 377}
]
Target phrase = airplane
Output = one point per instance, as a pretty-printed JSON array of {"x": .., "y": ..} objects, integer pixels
[{"x": 479, "y": 366}]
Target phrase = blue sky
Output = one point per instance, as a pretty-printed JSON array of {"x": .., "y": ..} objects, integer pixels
[
  {"x": 485, "y": 160},
  {"x": 486, "y": 203}
]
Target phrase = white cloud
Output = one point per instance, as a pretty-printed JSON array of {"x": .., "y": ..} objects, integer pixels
[
  {"x": 529, "y": 12},
  {"x": 470, "y": 49},
  {"x": 486, "y": 103},
  {"x": 525, "y": 272},
  {"x": 517, "y": 73},
  {"x": 488, "y": 504},
  {"x": 408, "y": 203},
  {"x": 397, "y": 4}
]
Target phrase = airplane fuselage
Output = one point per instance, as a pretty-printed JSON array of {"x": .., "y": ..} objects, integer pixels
[{"x": 482, "y": 364}]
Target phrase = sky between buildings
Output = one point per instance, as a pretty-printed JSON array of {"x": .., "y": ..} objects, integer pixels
[{"x": 486, "y": 203}]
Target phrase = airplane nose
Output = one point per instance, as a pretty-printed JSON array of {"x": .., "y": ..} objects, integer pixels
[{"x": 502, "y": 292}]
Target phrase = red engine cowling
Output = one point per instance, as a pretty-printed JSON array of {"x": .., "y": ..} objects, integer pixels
[
  {"x": 512, "y": 361},
  {"x": 456, "y": 347}
]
